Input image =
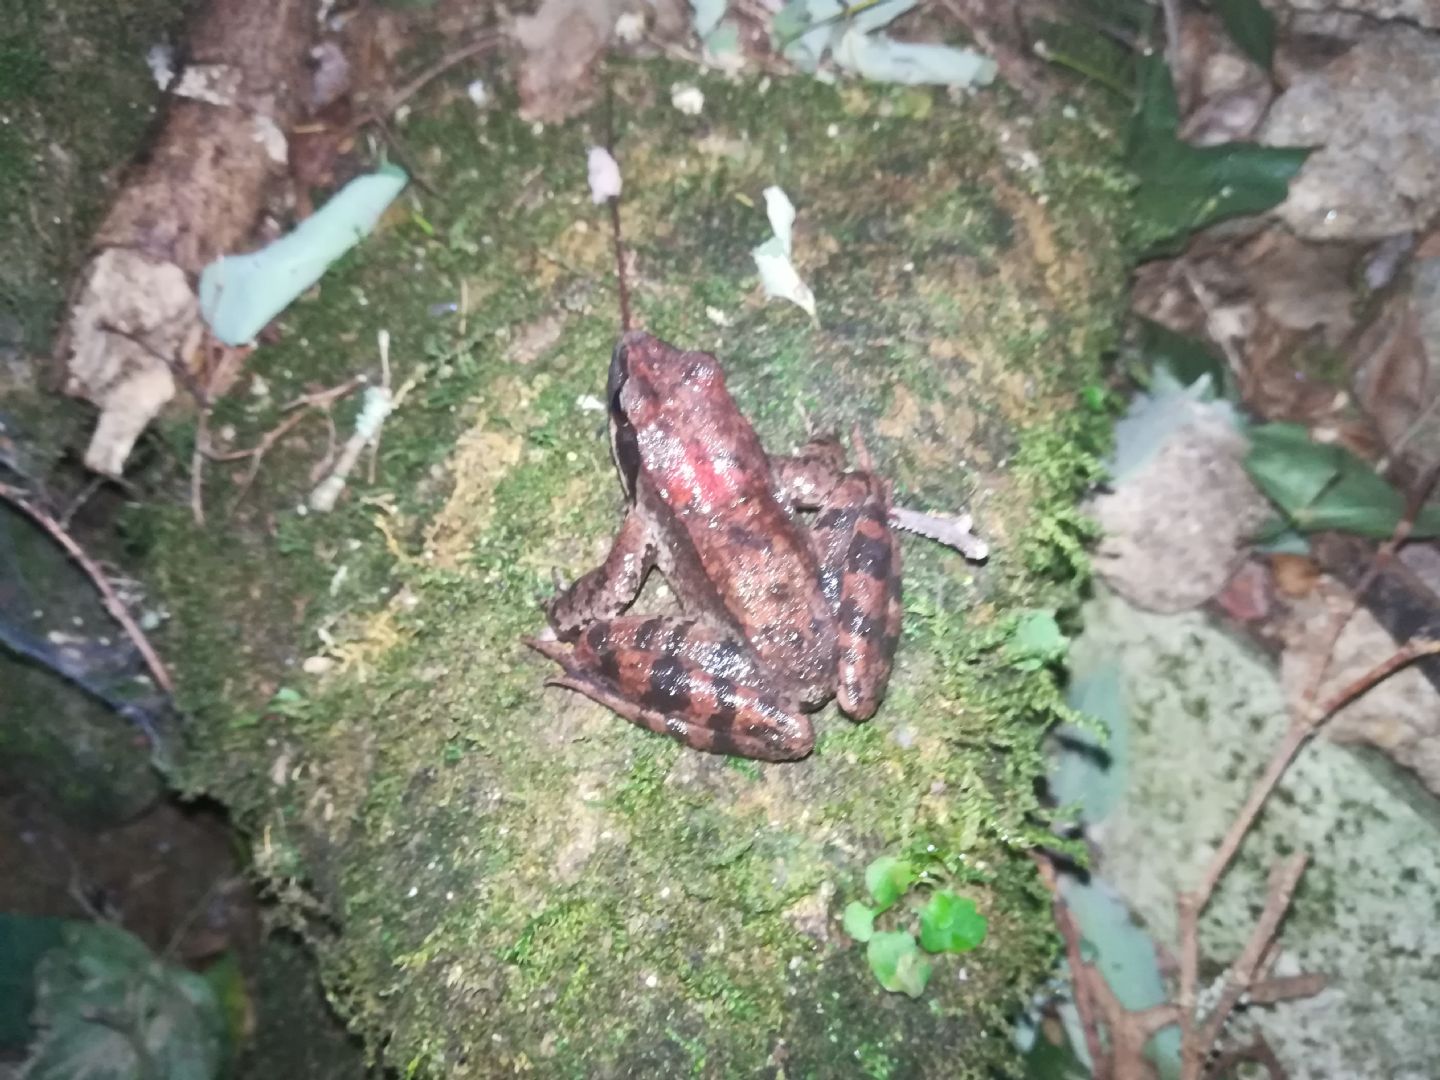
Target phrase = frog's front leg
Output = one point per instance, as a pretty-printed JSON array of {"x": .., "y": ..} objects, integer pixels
[
  {"x": 611, "y": 587},
  {"x": 683, "y": 678}
]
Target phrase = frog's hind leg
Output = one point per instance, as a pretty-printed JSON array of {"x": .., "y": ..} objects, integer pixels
[
  {"x": 860, "y": 578},
  {"x": 681, "y": 678},
  {"x": 611, "y": 587}
]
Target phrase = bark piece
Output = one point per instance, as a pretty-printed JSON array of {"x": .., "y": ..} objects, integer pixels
[{"x": 134, "y": 324}]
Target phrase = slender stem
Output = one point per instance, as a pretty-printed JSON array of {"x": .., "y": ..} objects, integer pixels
[{"x": 111, "y": 599}]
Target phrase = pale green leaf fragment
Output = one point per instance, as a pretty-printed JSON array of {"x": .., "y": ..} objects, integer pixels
[
  {"x": 897, "y": 962},
  {"x": 887, "y": 879},
  {"x": 882, "y": 59},
  {"x": 781, "y": 212},
  {"x": 708, "y": 14},
  {"x": 239, "y": 294},
  {"x": 772, "y": 258},
  {"x": 724, "y": 40}
]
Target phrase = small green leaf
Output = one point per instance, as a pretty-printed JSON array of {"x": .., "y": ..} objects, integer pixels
[
  {"x": 1036, "y": 641},
  {"x": 887, "y": 878},
  {"x": 1250, "y": 26},
  {"x": 1183, "y": 188},
  {"x": 898, "y": 963},
  {"x": 859, "y": 920},
  {"x": 950, "y": 923},
  {"x": 1095, "y": 398}
]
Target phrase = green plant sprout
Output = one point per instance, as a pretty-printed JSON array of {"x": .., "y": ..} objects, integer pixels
[{"x": 948, "y": 923}]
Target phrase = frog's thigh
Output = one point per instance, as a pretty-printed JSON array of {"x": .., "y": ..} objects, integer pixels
[
  {"x": 679, "y": 678},
  {"x": 611, "y": 587}
]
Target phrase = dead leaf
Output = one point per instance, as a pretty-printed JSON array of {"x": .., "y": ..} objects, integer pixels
[
  {"x": 135, "y": 320},
  {"x": 1246, "y": 596},
  {"x": 562, "y": 43},
  {"x": 1295, "y": 575}
]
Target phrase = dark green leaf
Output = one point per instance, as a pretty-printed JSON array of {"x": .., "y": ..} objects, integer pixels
[
  {"x": 23, "y": 940},
  {"x": 859, "y": 921},
  {"x": 1183, "y": 188},
  {"x": 1157, "y": 109},
  {"x": 898, "y": 963},
  {"x": 950, "y": 923},
  {"x": 109, "y": 1009},
  {"x": 1250, "y": 26},
  {"x": 1322, "y": 486},
  {"x": 887, "y": 878}
]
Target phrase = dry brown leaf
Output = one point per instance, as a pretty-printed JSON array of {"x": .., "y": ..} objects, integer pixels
[{"x": 1295, "y": 575}]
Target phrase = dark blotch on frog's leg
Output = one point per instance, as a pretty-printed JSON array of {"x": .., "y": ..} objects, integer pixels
[
  {"x": 606, "y": 665},
  {"x": 647, "y": 631},
  {"x": 870, "y": 553},
  {"x": 668, "y": 690}
]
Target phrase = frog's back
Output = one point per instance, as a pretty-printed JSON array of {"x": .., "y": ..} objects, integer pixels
[{"x": 712, "y": 492}]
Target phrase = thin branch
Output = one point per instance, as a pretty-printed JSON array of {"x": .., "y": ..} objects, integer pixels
[
  {"x": 1402, "y": 657},
  {"x": 1382, "y": 559},
  {"x": 481, "y": 44},
  {"x": 1258, "y": 1051},
  {"x": 1287, "y": 988},
  {"x": 113, "y": 603},
  {"x": 320, "y": 400},
  {"x": 1284, "y": 879},
  {"x": 1084, "y": 1004}
]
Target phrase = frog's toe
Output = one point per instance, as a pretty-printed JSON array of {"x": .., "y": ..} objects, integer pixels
[{"x": 550, "y": 647}]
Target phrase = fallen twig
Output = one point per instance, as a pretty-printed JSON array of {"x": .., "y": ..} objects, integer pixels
[
  {"x": 1284, "y": 879},
  {"x": 1080, "y": 972},
  {"x": 113, "y": 604},
  {"x": 320, "y": 400},
  {"x": 483, "y": 43}
]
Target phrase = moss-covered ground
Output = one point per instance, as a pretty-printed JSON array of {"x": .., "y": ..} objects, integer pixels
[{"x": 500, "y": 878}]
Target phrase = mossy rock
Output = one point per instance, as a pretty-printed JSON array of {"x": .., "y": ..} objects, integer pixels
[{"x": 504, "y": 878}]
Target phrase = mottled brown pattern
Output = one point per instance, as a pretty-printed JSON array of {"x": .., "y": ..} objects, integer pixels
[{"x": 779, "y": 617}]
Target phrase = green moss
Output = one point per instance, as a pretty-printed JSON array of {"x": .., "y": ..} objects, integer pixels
[{"x": 503, "y": 858}]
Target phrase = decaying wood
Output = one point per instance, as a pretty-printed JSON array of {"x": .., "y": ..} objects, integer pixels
[{"x": 196, "y": 196}]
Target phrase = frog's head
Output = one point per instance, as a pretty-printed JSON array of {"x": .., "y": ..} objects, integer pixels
[{"x": 654, "y": 384}]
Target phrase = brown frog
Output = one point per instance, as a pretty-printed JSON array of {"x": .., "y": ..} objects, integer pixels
[{"x": 777, "y": 617}]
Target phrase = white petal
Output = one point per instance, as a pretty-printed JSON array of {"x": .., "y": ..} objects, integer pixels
[
  {"x": 781, "y": 212},
  {"x": 779, "y": 276},
  {"x": 688, "y": 99},
  {"x": 604, "y": 175}
]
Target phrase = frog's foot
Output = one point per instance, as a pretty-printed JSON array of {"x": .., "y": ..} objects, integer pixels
[{"x": 677, "y": 678}]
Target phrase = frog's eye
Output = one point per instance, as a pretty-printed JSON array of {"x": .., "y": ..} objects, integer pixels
[
  {"x": 619, "y": 372},
  {"x": 626, "y": 448}
]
